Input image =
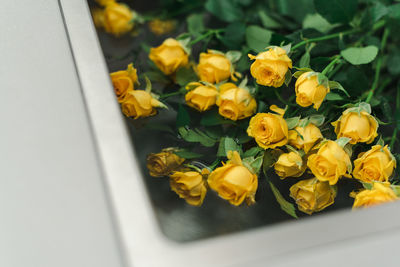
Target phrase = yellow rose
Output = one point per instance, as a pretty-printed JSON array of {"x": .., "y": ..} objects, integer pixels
[
  {"x": 123, "y": 81},
  {"x": 213, "y": 67},
  {"x": 235, "y": 103},
  {"x": 117, "y": 18},
  {"x": 377, "y": 164},
  {"x": 98, "y": 17},
  {"x": 379, "y": 194},
  {"x": 202, "y": 97},
  {"x": 169, "y": 56},
  {"x": 139, "y": 103},
  {"x": 189, "y": 186},
  {"x": 270, "y": 67},
  {"x": 268, "y": 129},
  {"x": 312, "y": 195},
  {"x": 308, "y": 91},
  {"x": 104, "y": 2},
  {"x": 330, "y": 163},
  {"x": 233, "y": 181},
  {"x": 163, "y": 163},
  {"x": 289, "y": 165},
  {"x": 358, "y": 126},
  {"x": 308, "y": 137},
  {"x": 160, "y": 27}
]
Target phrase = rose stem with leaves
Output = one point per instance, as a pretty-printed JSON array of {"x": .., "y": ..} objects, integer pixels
[{"x": 322, "y": 38}]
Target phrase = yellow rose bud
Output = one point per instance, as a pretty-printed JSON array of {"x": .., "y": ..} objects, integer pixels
[
  {"x": 359, "y": 127},
  {"x": 308, "y": 91},
  {"x": 312, "y": 195},
  {"x": 379, "y": 194},
  {"x": 377, "y": 164},
  {"x": 189, "y": 186},
  {"x": 213, "y": 67},
  {"x": 202, "y": 98},
  {"x": 160, "y": 27},
  {"x": 270, "y": 67},
  {"x": 330, "y": 163},
  {"x": 233, "y": 181},
  {"x": 98, "y": 17},
  {"x": 117, "y": 18},
  {"x": 163, "y": 163},
  {"x": 268, "y": 129},
  {"x": 123, "y": 81},
  {"x": 139, "y": 103},
  {"x": 169, "y": 56},
  {"x": 305, "y": 137},
  {"x": 289, "y": 165},
  {"x": 235, "y": 103}
]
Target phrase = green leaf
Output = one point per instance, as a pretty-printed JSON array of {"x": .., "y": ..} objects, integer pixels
[
  {"x": 257, "y": 38},
  {"x": 360, "y": 55},
  {"x": 256, "y": 164},
  {"x": 292, "y": 122},
  {"x": 234, "y": 35},
  {"x": 243, "y": 138},
  {"x": 185, "y": 75},
  {"x": 225, "y": 10},
  {"x": 336, "y": 85},
  {"x": 342, "y": 141},
  {"x": 214, "y": 132},
  {"x": 233, "y": 55},
  {"x": 377, "y": 11},
  {"x": 322, "y": 79},
  {"x": 267, "y": 21},
  {"x": 298, "y": 73},
  {"x": 336, "y": 11},
  {"x": 288, "y": 77},
  {"x": 333, "y": 97},
  {"x": 367, "y": 185},
  {"x": 188, "y": 154},
  {"x": 268, "y": 160},
  {"x": 227, "y": 144},
  {"x": 195, "y": 24},
  {"x": 196, "y": 136},
  {"x": 212, "y": 118},
  {"x": 317, "y": 22},
  {"x": 317, "y": 119},
  {"x": 304, "y": 60},
  {"x": 394, "y": 11},
  {"x": 252, "y": 152},
  {"x": 380, "y": 141},
  {"x": 182, "y": 117},
  {"x": 286, "y": 206},
  {"x": 365, "y": 107}
]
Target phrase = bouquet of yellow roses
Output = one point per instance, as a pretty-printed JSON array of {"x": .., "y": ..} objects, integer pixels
[{"x": 303, "y": 101}]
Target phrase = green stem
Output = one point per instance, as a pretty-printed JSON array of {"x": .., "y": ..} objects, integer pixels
[
  {"x": 170, "y": 94},
  {"x": 322, "y": 38},
  {"x": 330, "y": 65},
  {"x": 378, "y": 66},
  {"x": 335, "y": 70},
  {"x": 208, "y": 33}
]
